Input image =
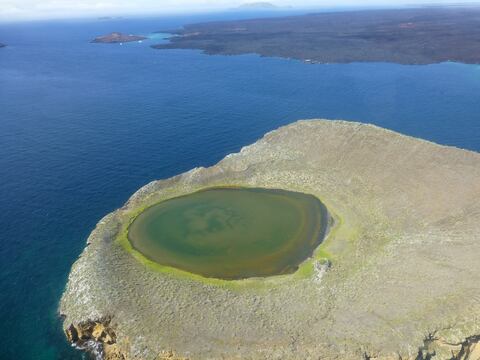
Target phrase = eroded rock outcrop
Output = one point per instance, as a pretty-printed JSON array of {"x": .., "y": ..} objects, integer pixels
[
  {"x": 468, "y": 349},
  {"x": 398, "y": 276},
  {"x": 96, "y": 337}
]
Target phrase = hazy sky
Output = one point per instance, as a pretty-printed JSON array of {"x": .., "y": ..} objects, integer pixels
[{"x": 40, "y": 9}]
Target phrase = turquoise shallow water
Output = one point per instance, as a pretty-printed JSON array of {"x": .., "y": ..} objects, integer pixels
[{"x": 82, "y": 126}]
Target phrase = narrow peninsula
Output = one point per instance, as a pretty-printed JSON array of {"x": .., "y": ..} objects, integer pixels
[
  {"x": 116, "y": 37},
  {"x": 405, "y": 36},
  {"x": 395, "y": 274}
]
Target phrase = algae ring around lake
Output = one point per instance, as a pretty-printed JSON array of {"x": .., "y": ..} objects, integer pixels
[{"x": 231, "y": 233}]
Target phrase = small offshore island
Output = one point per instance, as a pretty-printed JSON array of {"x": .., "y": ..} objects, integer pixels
[
  {"x": 404, "y": 36},
  {"x": 395, "y": 276},
  {"x": 116, "y": 37},
  {"x": 2, "y": 45}
]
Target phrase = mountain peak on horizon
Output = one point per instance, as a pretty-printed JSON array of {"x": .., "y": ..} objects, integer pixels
[{"x": 261, "y": 5}]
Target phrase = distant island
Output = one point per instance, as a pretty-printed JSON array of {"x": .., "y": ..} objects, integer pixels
[
  {"x": 405, "y": 36},
  {"x": 258, "y": 6},
  {"x": 2, "y": 45},
  {"x": 117, "y": 37},
  {"x": 110, "y": 18}
]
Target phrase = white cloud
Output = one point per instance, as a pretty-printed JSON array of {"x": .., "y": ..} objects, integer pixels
[
  {"x": 33, "y": 9},
  {"x": 42, "y": 9}
]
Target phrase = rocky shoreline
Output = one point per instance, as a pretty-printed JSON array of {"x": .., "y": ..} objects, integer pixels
[{"x": 397, "y": 277}]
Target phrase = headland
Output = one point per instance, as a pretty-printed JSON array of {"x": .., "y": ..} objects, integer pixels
[
  {"x": 396, "y": 277},
  {"x": 406, "y": 36}
]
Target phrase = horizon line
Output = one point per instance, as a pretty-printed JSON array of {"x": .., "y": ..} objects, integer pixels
[{"x": 213, "y": 10}]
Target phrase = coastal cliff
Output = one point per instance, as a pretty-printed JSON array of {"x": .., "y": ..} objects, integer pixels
[{"x": 397, "y": 277}]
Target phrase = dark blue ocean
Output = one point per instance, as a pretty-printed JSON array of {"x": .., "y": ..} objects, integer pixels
[{"x": 82, "y": 126}]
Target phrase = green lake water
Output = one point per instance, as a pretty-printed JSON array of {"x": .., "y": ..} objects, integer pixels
[{"x": 231, "y": 233}]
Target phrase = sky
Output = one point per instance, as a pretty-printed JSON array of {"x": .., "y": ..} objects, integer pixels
[{"x": 11, "y": 10}]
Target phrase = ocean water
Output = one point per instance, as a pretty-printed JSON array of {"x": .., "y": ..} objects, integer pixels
[{"x": 82, "y": 126}]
